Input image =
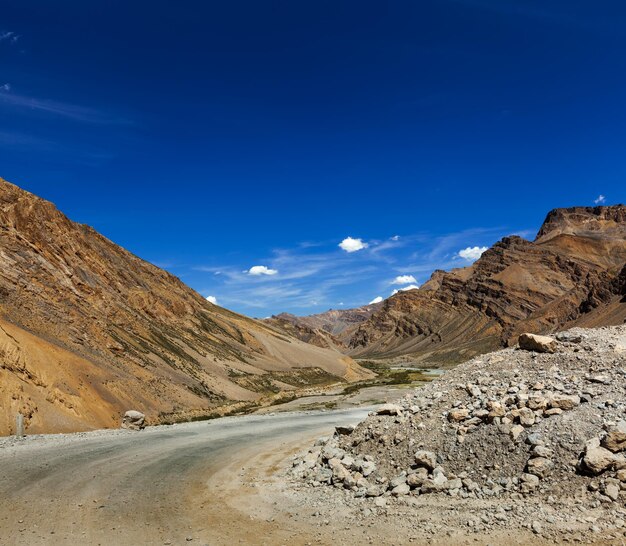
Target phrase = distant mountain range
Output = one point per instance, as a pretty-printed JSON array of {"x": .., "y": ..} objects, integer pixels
[
  {"x": 573, "y": 273},
  {"x": 88, "y": 330}
]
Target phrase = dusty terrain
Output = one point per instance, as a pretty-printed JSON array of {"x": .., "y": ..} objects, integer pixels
[
  {"x": 498, "y": 474},
  {"x": 88, "y": 331},
  {"x": 517, "y": 443}
]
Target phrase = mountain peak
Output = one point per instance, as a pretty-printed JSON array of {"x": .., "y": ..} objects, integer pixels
[{"x": 583, "y": 221}]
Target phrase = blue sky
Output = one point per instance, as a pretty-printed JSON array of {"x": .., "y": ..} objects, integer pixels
[{"x": 212, "y": 137}]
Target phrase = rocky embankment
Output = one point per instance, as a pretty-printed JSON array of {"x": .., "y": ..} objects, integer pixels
[{"x": 532, "y": 438}]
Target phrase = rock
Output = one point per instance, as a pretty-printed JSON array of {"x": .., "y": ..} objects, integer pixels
[
  {"x": 526, "y": 417},
  {"x": 611, "y": 490},
  {"x": 539, "y": 466},
  {"x": 615, "y": 438},
  {"x": 596, "y": 459},
  {"x": 516, "y": 431},
  {"x": 429, "y": 486},
  {"x": 541, "y": 451},
  {"x": 458, "y": 415},
  {"x": 374, "y": 491},
  {"x": 340, "y": 472},
  {"x": 537, "y": 402},
  {"x": 439, "y": 478},
  {"x": 427, "y": 459},
  {"x": 344, "y": 430},
  {"x": 621, "y": 475},
  {"x": 402, "y": 489},
  {"x": 367, "y": 467},
  {"x": 398, "y": 480},
  {"x": 537, "y": 527},
  {"x": 496, "y": 409},
  {"x": 389, "y": 409},
  {"x": 416, "y": 479},
  {"x": 564, "y": 402},
  {"x": 538, "y": 344},
  {"x": 134, "y": 420},
  {"x": 529, "y": 482},
  {"x": 569, "y": 337},
  {"x": 473, "y": 390}
]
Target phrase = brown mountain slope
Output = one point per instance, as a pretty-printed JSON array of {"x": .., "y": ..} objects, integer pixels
[
  {"x": 572, "y": 274},
  {"x": 329, "y": 329},
  {"x": 88, "y": 330}
]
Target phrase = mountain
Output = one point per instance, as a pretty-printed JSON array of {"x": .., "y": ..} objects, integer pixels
[
  {"x": 88, "y": 330},
  {"x": 331, "y": 328},
  {"x": 572, "y": 274}
]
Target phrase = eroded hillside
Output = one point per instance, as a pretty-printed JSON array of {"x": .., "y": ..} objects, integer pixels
[{"x": 89, "y": 330}]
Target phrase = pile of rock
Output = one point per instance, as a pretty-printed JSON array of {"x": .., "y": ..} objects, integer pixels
[{"x": 516, "y": 423}]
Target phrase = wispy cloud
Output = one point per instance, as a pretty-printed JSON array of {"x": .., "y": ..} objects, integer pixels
[
  {"x": 314, "y": 277},
  {"x": 59, "y": 151},
  {"x": 600, "y": 200},
  {"x": 8, "y": 36},
  {"x": 57, "y": 108},
  {"x": 5, "y": 87}
]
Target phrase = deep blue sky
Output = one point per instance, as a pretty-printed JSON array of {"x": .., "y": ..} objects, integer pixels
[{"x": 210, "y": 137}]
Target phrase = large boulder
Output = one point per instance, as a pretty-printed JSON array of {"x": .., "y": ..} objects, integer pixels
[
  {"x": 538, "y": 344},
  {"x": 134, "y": 420},
  {"x": 597, "y": 459}
]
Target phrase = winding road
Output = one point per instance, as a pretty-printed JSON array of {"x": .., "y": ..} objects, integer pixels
[{"x": 176, "y": 484}]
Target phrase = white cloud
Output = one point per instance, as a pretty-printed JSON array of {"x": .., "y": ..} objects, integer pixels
[
  {"x": 472, "y": 253},
  {"x": 352, "y": 245},
  {"x": 395, "y": 238},
  {"x": 212, "y": 299},
  {"x": 5, "y": 87},
  {"x": 404, "y": 279},
  {"x": 257, "y": 270},
  {"x": 406, "y": 288},
  {"x": 377, "y": 299},
  {"x": 601, "y": 199}
]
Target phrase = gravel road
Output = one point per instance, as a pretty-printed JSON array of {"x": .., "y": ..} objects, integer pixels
[{"x": 157, "y": 486}]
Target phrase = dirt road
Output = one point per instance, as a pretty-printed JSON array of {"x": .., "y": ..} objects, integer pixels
[{"x": 164, "y": 485}]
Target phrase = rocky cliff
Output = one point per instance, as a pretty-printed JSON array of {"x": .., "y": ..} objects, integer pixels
[
  {"x": 573, "y": 273},
  {"x": 88, "y": 330}
]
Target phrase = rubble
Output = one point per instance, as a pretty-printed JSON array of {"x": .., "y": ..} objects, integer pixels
[{"x": 521, "y": 426}]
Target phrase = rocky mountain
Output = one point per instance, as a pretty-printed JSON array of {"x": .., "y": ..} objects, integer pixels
[
  {"x": 88, "y": 330},
  {"x": 329, "y": 329},
  {"x": 573, "y": 273}
]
